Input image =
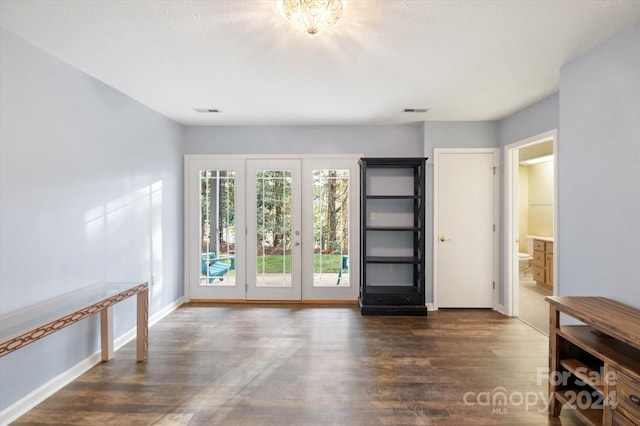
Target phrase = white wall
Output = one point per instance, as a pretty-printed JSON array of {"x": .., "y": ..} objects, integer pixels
[
  {"x": 540, "y": 199},
  {"x": 599, "y": 171},
  {"x": 91, "y": 190}
]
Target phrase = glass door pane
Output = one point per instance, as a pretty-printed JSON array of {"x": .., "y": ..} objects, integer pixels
[
  {"x": 273, "y": 230},
  {"x": 330, "y": 230},
  {"x": 216, "y": 246},
  {"x": 217, "y": 228},
  {"x": 330, "y": 227}
]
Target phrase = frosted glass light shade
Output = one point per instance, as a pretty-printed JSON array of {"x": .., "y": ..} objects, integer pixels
[{"x": 312, "y": 16}]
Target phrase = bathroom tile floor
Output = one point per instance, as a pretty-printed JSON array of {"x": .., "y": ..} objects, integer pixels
[{"x": 533, "y": 309}]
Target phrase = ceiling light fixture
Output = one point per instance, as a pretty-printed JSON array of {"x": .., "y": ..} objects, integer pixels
[{"x": 312, "y": 16}]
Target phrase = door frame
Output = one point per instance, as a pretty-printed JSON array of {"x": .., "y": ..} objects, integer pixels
[
  {"x": 191, "y": 160},
  {"x": 511, "y": 208},
  {"x": 496, "y": 215}
]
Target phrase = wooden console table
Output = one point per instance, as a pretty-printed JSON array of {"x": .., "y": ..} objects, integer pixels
[
  {"x": 595, "y": 368},
  {"x": 26, "y": 326}
]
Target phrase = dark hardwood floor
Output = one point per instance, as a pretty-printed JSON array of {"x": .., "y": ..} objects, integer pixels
[{"x": 313, "y": 365}]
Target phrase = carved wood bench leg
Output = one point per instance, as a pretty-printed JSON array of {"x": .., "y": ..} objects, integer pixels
[{"x": 142, "y": 328}]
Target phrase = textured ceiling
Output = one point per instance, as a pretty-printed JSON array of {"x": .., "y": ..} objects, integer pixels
[{"x": 465, "y": 60}]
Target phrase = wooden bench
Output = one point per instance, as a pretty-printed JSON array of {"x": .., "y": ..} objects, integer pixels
[{"x": 28, "y": 325}]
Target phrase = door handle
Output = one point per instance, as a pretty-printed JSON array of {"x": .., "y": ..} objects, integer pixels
[
  {"x": 443, "y": 238},
  {"x": 297, "y": 243}
]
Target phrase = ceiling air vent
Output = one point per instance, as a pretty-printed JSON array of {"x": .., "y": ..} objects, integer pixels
[
  {"x": 207, "y": 110},
  {"x": 415, "y": 110}
]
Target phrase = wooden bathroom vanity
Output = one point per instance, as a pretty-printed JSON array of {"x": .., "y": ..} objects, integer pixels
[{"x": 543, "y": 262}]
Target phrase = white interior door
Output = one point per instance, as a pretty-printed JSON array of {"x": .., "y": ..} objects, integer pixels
[
  {"x": 464, "y": 222},
  {"x": 274, "y": 231}
]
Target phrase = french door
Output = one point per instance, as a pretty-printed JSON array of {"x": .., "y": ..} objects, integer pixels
[
  {"x": 274, "y": 230},
  {"x": 215, "y": 243},
  {"x": 271, "y": 229}
]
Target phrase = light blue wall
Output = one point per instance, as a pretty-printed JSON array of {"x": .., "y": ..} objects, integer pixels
[
  {"x": 450, "y": 134},
  {"x": 530, "y": 121},
  {"x": 599, "y": 172},
  {"x": 91, "y": 184},
  {"x": 407, "y": 140},
  {"x": 373, "y": 141},
  {"x": 533, "y": 120},
  {"x": 90, "y": 191},
  {"x": 460, "y": 134},
  {"x": 597, "y": 112}
]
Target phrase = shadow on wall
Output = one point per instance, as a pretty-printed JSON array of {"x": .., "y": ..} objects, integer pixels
[{"x": 108, "y": 236}]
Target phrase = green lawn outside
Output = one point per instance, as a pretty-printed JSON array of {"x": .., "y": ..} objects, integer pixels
[{"x": 274, "y": 263}]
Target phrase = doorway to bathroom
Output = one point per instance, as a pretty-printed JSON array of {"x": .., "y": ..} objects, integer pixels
[{"x": 531, "y": 246}]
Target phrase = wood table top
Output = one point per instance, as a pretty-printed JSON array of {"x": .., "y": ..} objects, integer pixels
[{"x": 616, "y": 319}]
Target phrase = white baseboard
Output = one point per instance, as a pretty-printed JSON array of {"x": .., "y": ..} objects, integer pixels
[
  {"x": 29, "y": 401},
  {"x": 34, "y": 398},
  {"x": 165, "y": 311},
  {"x": 500, "y": 308}
]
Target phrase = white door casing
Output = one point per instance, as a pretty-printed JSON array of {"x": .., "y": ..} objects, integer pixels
[{"x": 511, "y": 261}]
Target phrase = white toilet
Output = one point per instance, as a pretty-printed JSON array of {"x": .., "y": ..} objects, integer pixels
[
  {"x": 526, "y": 265},
  {"x": 526, "y": 261}
]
